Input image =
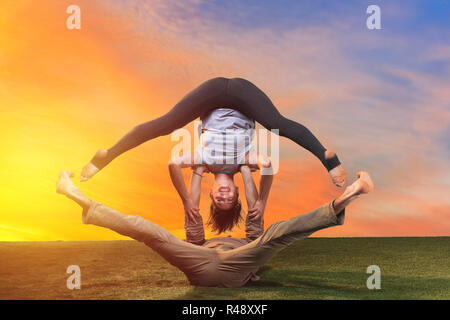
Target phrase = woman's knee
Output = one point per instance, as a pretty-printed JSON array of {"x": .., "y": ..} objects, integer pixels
[
  {"x": 161, "y": 126},
  {"x": 289, "y": 128}
]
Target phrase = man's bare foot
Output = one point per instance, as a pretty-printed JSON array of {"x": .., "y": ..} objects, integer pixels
[
  {"x": 338, "y": 174},
  {"x": 65, "y": 186},
  {"x": 362, "y": 185},
  {"x": 98, "y": 162}
]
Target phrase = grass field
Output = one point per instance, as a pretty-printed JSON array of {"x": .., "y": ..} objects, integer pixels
[{"x": 315, "y": 268}]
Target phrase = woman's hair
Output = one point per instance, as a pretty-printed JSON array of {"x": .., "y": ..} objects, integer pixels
[{"x": 224, "y": 220}]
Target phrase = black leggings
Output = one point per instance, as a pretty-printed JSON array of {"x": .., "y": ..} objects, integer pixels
[{"x": 236, "y": 93}]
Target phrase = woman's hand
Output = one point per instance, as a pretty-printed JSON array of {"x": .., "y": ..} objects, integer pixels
[
  {"x": 191, "y": 211},
  {"x": 257, "y": 211}
]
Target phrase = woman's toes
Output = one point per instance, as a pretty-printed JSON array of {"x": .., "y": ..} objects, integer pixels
[
  {"x": 329, "y": 154},
  {"x": 88, "y": 171},
  {"x": 339, "y": 176}
]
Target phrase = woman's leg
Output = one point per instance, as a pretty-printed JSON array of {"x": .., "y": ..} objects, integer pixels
[
  {"x": 236, "y": 93},
  {"x": 255, "y": 104},
  {"x": 209, "y": 95}
]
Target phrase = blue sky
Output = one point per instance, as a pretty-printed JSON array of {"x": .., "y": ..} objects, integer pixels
[
  {"x": 379, "y": 98},
  {"x": 382, "y": 94}
]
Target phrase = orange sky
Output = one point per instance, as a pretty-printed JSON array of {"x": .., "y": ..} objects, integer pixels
[{"x": 66, "y": 93}]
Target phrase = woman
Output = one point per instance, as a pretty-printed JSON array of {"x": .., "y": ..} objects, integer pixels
[
  {"x": 224, "y": 147},
  {"x": 236, "y": 93}
]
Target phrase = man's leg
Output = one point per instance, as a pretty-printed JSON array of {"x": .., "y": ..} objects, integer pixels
[
  {"x": 191, "y": 259},
  {"x": 250, "y": 257}
]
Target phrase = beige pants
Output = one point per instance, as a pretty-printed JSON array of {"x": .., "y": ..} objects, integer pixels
[{"x": 215, "y": 267}]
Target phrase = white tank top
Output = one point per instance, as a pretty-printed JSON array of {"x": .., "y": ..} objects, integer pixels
[{"x": 225, "y": 140}]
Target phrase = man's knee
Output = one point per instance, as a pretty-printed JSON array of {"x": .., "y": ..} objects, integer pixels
[{"x": 146, "y": 231}]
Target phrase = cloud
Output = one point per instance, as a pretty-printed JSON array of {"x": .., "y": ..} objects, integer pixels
[{"x": 371, "y": 97}]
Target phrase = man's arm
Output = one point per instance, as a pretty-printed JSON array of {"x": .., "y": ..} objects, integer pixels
[
  {"x": 257, "y": 210},
  {"x": 264, "y": 186},
  {"x": 251, "y": 194},
  {"x": 193, "y": 224},
  {"x": 175, "y": 166},
  {"x": 196, "y": 184}
]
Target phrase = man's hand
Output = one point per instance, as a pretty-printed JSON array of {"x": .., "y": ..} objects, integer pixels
[
  {"x": 263, "y": 162},
  {"x": 257, "y": 211},
  {"x": 200, "y": 169},
  {"x": 192, "y": 211},
  {"x": 244, "y": 168}
]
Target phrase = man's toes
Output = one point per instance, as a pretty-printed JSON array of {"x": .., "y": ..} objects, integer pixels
[
  {"x": 365, "y": 176},
  {"x": 62, "y": 174}
]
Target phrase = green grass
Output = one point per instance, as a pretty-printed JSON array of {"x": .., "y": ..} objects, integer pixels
[{"x": 315, "y": 268}]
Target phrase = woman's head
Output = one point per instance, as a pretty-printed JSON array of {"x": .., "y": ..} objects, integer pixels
[
  {"x": 224, "y": 192},
  {"x": 224, "y": 197},
  {"x": 224, "y": 220},
  {"x": 225, "y": 208}
]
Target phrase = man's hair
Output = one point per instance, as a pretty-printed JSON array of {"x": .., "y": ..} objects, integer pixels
[{"x": 224, "y": 220}]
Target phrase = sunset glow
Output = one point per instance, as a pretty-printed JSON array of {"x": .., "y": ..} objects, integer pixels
[{"x": 380, "y": 99}]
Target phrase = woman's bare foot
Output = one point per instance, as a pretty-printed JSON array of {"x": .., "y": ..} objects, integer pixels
[
  {"x": 98, "y": 162},
  {"x": 362, "y": 185},
  {"x": 338, "y": 174},
  {"x": 65, "y": 186}
]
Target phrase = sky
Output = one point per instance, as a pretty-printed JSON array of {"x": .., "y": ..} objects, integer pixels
[{"x": 379, "y": 98}]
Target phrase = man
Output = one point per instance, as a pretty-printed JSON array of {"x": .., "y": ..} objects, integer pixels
[{"x": 217, "y": 263}]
